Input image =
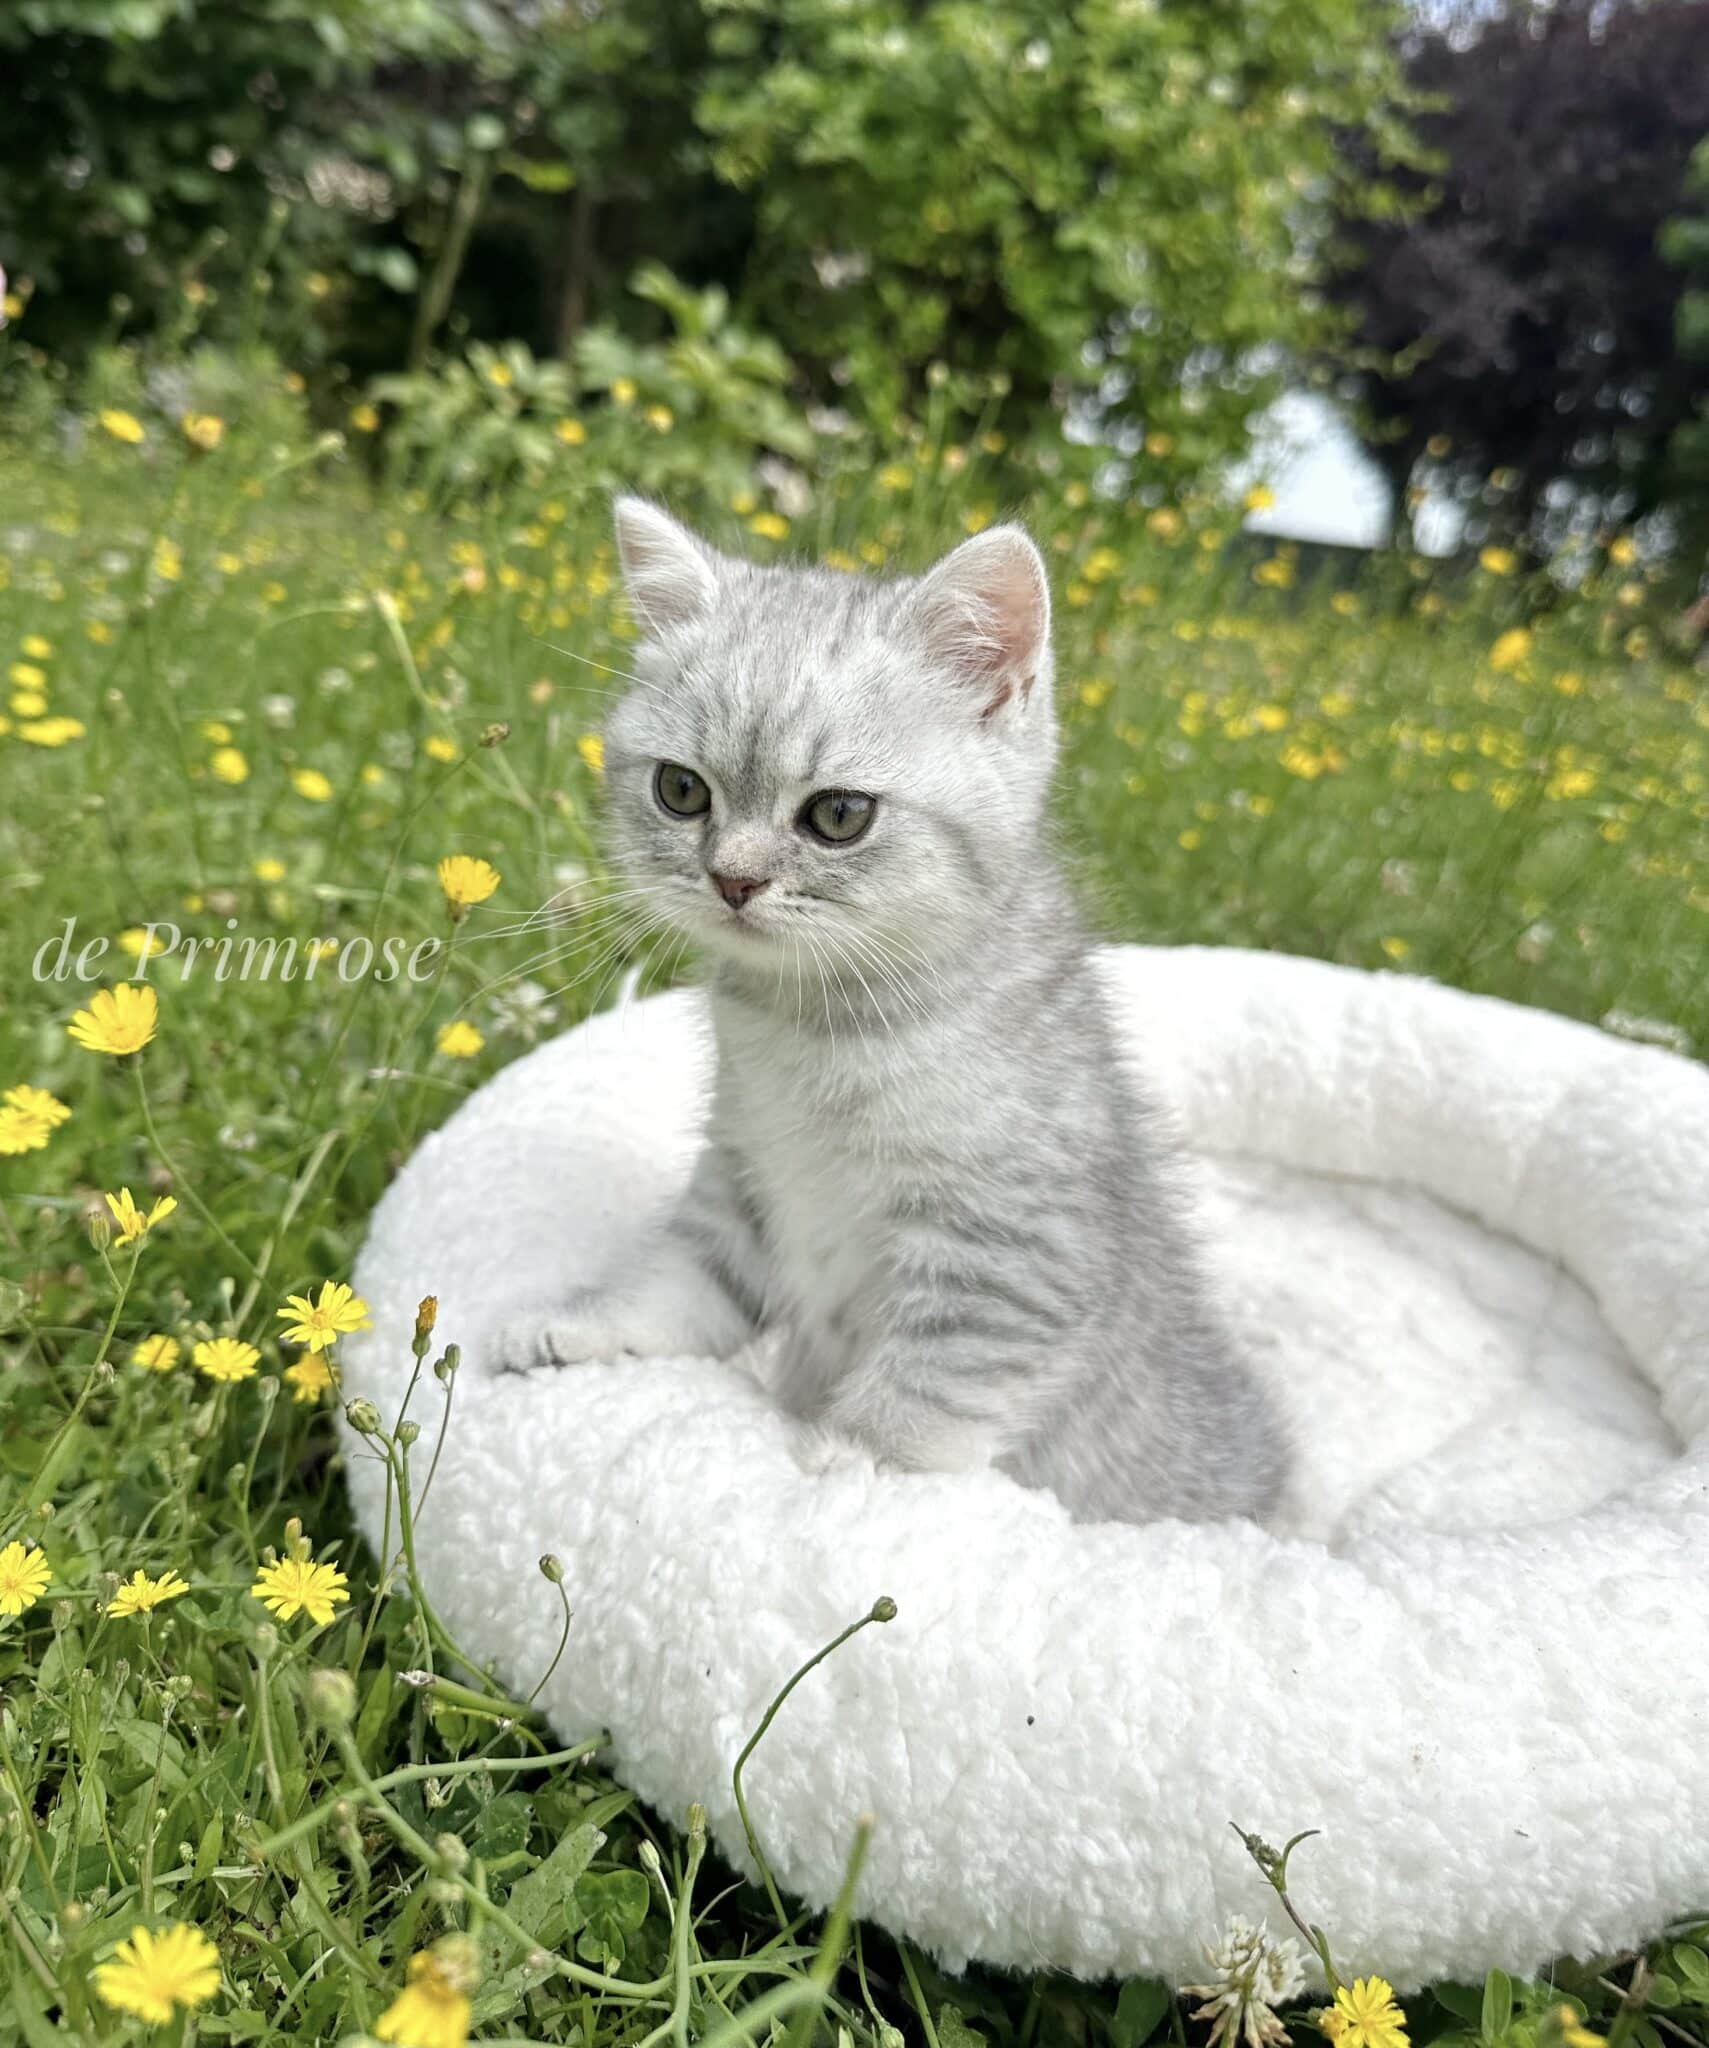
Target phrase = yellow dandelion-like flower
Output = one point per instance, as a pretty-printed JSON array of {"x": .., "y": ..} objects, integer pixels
[
  {"x": 28, "y": 1117},
  {"x": 312, "y": 785},
  {"x": 591, "y": 747},
  {"x": 466, "y": 880},
  {"x": 571, "y": 432},
  {"x": 1623, "y": 552},
  {"x": 142, "y": 942},
  {"x": 1509, "y": 649},
  {"x": 142, "y": 1595},
  {"x": 24, "y": 675},
  {"x": 152, "y": 1975},
  {"x": 229, "y": 765},
  {"x": 769, "y": 526},
  {"x": 318, "y": 1325},
  {"x": 1397, "y": 948},
  {"x": 364, "y": 418},
  {"x": 310, "y": 1377},
  {"x": 1498, "y": 562},
  {"x": 269, "y": 869},
  {"x": 623, "y": 390},
  {"x": 225, "y": 1358},
  {"x": 123, "y": 426},
  {"x": 1365, "y": 2015},
  {"x": 28, "y": 704},
  {"x": 37, "y": 648},
  {"x": 660, "y": 418},
  {"x": 52, "y": 732},
  {"x": 24, "y": 1578},
  {"x": 297, "y": 1585},
  {"x": 439, "y": 748},
  {"x": 204, "y": 430},
  {"x": 129, "y": 1221},
  {"x": 432, "y": 2010},
  {"x": 158, "y": 1353},
  {"x": 460, "y": 1040},
  {"x": 118, "y": 1020},
  {"x": 1259, "y": 499}
]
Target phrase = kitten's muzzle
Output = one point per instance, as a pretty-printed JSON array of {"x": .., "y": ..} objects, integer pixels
[{"x": 738, "y": 889}]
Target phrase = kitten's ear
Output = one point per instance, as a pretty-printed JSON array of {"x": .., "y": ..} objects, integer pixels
[
  {"x": 667, "y": 571},
  {"x": 985, "y": 613}
]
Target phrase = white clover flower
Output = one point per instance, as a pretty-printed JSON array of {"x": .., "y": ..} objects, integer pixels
[
  {"x": 1252, "y": 1974},
  {"x": 523, "y": 1011}
]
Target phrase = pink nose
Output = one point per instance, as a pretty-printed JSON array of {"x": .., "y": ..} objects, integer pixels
[{"x": 736, "y": 889}]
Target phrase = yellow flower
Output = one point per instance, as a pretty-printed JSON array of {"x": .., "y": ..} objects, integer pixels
[
  {"x": 226, "y": 1359},
  {"x": 141, "y": 1595},
  {"x": 592, "y": 750},
  {"x": 1510, "y": 649},
  {"x": 769, "y": 525},
  {"x": 1499, "y": 562},
  {"x": 229, "y": 765},
  {"x": 432, "y": 2011},
  {"x": 1365, "y": 2015},
  {"x": 466, "y": 880},
  {"x": 268, "y": 869},
  {"x": 312, "y": 785},
  {"x": 439, "y": 748},
  {"x": 168, "y": 559},
  {"x": 623, "y": 390},
  {"x": 26, "y": 675},
  {"x": 502, "y": 375},
  {"x": 1277, "y": 573},
  {"x": 364, "y": 418},
  {"x": 28, "y": 704},
  {"x": 151, "y": 1975},
  {"x": 28, "y": 1118},
  {"x": 1396, "y": 948},
  {"x": 460, "y": 1040},
  {"x": 310, "y": 1377},
  {"x": 1259, "y": 499},
  {"x": 131, "y": 1223},
  {"x": 24, "y": 1578},
  {"x": 157, "y": 1353},
  {"x": 317, "y": 1325},
  {"x": 204, "y": 430},
  {"x": 660, "y": 418},
  {"x": 296, "y": 1585},
  {"x": 571, "y": 432},
  {"x": 142, "y": 942},
  {"x": 52, "y": 732},
  {"x": 36, "y": 647},
  {"x": 1623, "y": 552},
  {"x": 895, "y": 476},
  {"x": 123, "y": 426},
  {"x": 118, "y": 1020}
]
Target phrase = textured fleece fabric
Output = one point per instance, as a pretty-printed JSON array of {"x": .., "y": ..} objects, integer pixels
[{"x": 1469, "y": 1245}]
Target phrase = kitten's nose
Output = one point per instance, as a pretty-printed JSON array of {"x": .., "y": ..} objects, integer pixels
[{"x": 737, "y": 889}]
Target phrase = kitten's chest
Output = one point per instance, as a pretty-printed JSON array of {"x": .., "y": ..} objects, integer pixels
[{"x": 827, "y": 1140}]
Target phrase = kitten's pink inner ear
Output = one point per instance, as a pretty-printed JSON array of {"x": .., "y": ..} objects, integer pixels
[
  {"x": 667, "y": 571},
  {"x": 986, "y": 614}
]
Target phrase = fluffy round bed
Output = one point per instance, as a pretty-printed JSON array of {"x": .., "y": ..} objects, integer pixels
[{"x": 1469, "y": 1246}]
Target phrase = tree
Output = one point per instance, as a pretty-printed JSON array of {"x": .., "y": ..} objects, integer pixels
[{"x": 1513, "y": 311}]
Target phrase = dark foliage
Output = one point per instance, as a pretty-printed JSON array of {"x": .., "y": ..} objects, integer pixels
[{"x": 1520, "y": 316}]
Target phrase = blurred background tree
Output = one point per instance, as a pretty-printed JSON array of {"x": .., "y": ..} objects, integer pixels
[
  {"x": 1517, "y": 316},
  {"x": 1111, "y": 207}
]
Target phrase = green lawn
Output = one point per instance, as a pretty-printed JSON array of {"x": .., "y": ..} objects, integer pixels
[{"x": 253, "y": 696}]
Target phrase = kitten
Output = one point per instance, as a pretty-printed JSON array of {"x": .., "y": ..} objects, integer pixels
[{"x": 926, "y": 1165}]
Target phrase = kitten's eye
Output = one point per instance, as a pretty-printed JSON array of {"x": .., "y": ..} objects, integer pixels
[
  {"x": 839, "y": 815},
  {"x": 680, "y": 791}
]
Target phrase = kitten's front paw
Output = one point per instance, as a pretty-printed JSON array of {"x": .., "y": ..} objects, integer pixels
[
  {"x": 541, "y": 1342},
  {"x": 818, "y": 1449}
]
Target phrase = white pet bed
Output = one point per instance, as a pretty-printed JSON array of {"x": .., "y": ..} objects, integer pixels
[{"x": 1469, "y": 1244}]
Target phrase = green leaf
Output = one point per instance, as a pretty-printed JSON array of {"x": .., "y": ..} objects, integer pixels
[
  {"x": 954, "y": 2032},
  {"x": 1497, "y": 2014},
  {"x": 1464, "y": 2001},
  {"x": 1140, "y": 2011},
  {"x": 542, "y": 1902},
  {"x": 503, "y": 1826},
  {"x": 613, "y": 1906}
]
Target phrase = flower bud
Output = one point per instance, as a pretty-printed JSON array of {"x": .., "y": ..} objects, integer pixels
[
  {"x": 332, "y": 1697},
  {"x": 884, "y": 1609},
  {"x": 426, "y": 1315},
  {"x": 552, "y": 1568},
  {"x": 363, "y": 1417},
  {"x": 452, "y": 1852},
  {"x": 407, "y": 1432},
  {"x": 495, "y": 735}
]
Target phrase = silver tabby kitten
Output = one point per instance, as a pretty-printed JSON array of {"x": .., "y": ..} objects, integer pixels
[{"x": 925, "y": 1166}]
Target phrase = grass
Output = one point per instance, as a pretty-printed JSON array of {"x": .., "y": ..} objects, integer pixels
[{"x": 291, "y": 692}]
